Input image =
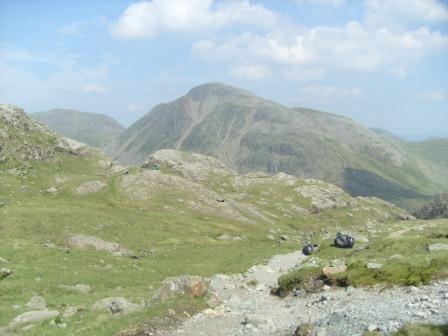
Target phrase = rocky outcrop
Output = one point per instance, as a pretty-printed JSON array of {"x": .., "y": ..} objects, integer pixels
[
  {"x": 84, "y": 242},
  {"x": 4, "y": 273},
  {"x": 33, "y": 317},
  {"x": 323, "y": 196},
  {"x": 196, "y": 167},
  {"x": 214, "y": 189},
  {"x": 437, "y": 208},
  {"x": 117, "y": 305},
  {"x": 36, "y": 303},
  {"x": 194, "y": 286},
  {"x": 90, "y": 187},
  {"x": 23, "y": 139}
]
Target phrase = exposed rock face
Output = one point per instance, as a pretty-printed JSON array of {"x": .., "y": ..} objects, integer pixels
[
  {"x": 117, "y": 305},
  {"x": 72, "y": 310},
  {"x": 37, "y": 303},
  {"x": 193, "y": 166},
  {"x": 437, "y": 208},
  {"x": 24, "y": 139},
  {"x": 84, "y": 242},
  {"x": 323, "y": 195},
  {"x": 195, "y": 286},
  {"x": 336, "y": 266},
  {"x": 214, "y": 189},
  {"x": 33, "y": 317},
  {"x": 148, "y": 183},
  {"x": 330, "y": 270},
  {"x": 250, "y": 133},
  {"x": 90, "y": 187}
]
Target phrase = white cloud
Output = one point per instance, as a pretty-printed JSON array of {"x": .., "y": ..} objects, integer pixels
[
  {"x": 149, "y": 18},
  {"x": 433, "y": 95},
  {"x": 72, "y": 29},
  {"x": 352, "y": 46},
  {"x": 251, "y": 72},
  {"x": 391, "y": 11},
  {"x": 323, "y": 92},
  {"x": 94, "y": 88},
  {"x": 333, "y": 3}
]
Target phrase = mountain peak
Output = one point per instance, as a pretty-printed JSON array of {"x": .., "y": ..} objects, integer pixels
[{"x": 215, "y": 89}]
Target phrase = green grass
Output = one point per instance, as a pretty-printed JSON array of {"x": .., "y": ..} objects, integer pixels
[
  {"x": 34, "y": 226},
  {"x": 413, "y": 266},
  {"x": 180, "y": 244},
  {"x": 422, "y": 330}
]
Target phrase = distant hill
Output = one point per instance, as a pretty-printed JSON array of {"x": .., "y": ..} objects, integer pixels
[
  {"x": 93, "y": 129},
  {"x": 252, "y": 133},
  {"x": 437, "y": 208}
]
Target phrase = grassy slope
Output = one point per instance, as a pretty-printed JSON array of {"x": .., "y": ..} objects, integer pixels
[
  {"x": 405, "y": 257},
  {"x": 95, "y": 130},
  {"x": 181, "y": 242}
]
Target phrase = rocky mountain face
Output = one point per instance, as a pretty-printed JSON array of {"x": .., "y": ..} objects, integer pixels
[
  {"x": 247, "y": 198},
  {"x": 24, "y": 140},
  {"x": 95, "y": 130},
  {"x": 251, "y": 133},
  {"x": 437, "y": 208}
]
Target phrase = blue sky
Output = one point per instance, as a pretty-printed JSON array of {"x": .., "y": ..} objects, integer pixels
[{"x": 381, "y": 62}]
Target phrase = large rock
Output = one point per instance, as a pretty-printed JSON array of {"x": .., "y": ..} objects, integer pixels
[
  {"x": 195, "y": 286},
  {"x": 323, "y": 195},
  {"x": 372, "y": 265},
  {"x": 36, "y": 303},
  {"x": 4, "y": 272},
  {"x": 438, "y": 247},
  {"x": 70, "y": 311},
  {"x": 117, "y": 305},
  {"x": 90, "y": 187},
  {"x": 336, "y": 266},
  {"x": 192, "y": 166},
  {"x": 84, "y": 242},
  {"x": 33, "y": 317}
]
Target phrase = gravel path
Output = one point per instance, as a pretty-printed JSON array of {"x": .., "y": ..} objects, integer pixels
[{"x": 251, "y": 310}]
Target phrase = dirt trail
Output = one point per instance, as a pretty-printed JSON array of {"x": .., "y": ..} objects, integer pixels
[{"x": 249, "y": 309}]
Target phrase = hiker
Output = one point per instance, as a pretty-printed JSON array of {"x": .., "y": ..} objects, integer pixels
[{"x": 344, "y": 241}]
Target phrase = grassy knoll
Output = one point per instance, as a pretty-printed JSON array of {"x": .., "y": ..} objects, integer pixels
[{"x": 401, "y": 249}]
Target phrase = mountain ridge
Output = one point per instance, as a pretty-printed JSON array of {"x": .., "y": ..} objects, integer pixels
[
  {"x": 249, "y": 132},
  {"x": 93, "y": 129}
]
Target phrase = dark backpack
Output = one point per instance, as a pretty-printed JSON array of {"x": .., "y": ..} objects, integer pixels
[
  {"x": 344, "y": 241},
  {"x": 309, "y": 249}
]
